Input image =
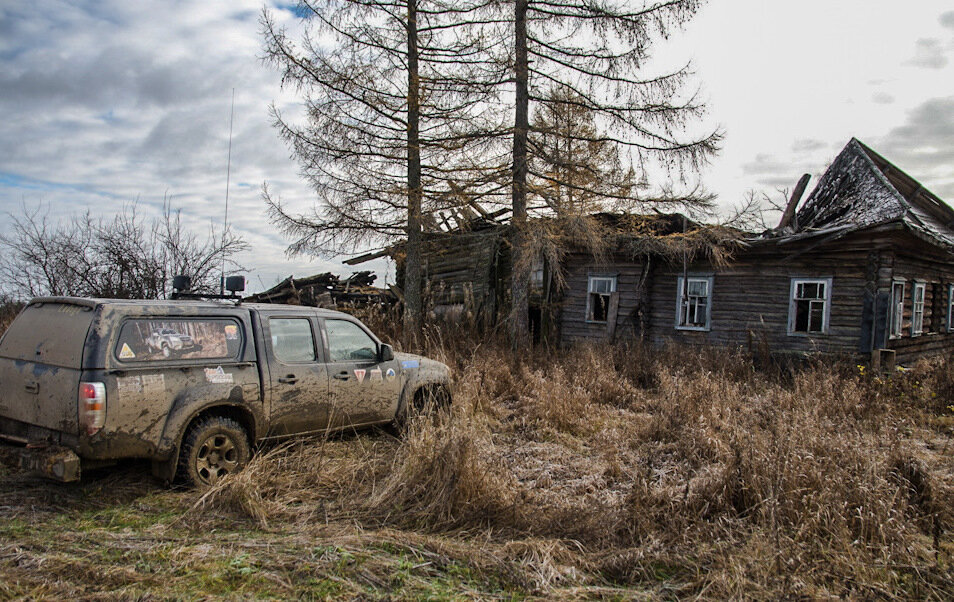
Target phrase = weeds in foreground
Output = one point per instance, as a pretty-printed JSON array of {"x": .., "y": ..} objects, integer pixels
[{"x": 634, "y": 466}]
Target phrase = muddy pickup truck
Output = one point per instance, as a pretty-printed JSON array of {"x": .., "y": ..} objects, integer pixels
[{"x": 83, "y": 382}]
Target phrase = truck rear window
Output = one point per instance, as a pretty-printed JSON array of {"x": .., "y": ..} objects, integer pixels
[
  {"x": 49, "y": 333},
  {"x": 164, "y": 339}
]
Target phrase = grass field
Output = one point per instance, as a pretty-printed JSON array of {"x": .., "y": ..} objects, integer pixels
[{"x": 599, "y": 472}]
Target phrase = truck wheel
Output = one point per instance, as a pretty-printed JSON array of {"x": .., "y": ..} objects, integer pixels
[
  {"x": 166, "y": 351},
  {"x": 214, "y": 447}
]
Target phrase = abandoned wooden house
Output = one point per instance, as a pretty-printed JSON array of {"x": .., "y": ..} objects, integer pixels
[{"x": 866, "y": 263}]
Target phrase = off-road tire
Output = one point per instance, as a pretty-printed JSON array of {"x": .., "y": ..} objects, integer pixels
[
  {"x": 433, "y": 398},
  {"x": 213, "y": 447}
]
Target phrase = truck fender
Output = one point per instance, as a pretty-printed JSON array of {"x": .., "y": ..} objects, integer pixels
[{"x": 193, "y": 402}]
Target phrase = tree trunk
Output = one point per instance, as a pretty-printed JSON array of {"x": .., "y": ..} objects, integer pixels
[
  {"x": 519, "y": 312},
  {"x": 412, "y": 266}
]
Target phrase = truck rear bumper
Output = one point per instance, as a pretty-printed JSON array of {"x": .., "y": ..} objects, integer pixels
[{"x": 54, "y": 462}]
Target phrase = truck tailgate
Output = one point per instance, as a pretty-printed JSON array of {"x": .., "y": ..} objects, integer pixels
[{"x": 41, "y": 357}]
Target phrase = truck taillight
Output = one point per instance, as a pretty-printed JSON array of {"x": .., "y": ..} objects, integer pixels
[{"x": 92, "y": 406}]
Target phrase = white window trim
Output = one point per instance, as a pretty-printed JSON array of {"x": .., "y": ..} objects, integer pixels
[
  {"x": 917, "y": 326},
  {"x": 791, "y": 306},
  {"x": 612, "y": 278},
  {"x": 896, "y": 330},
  {"x": 950, "y": 307},
  {"x": 680, "y": 288}
]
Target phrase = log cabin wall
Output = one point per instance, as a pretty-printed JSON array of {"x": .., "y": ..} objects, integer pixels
[
  {"x": 460, "y": 272},
  {"x": 910, "y": 265},
  {"x": 574, "y": 325},
  {"x": 751, "y": 300}
]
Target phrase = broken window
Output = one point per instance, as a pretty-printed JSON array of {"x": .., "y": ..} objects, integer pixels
[
  {"x": 917, "y": 309},
  {"x": 897, "y": 307},
  {"x": 598, "y": 298},
  {"x": 808, "y": 312},
  {"x": 693, "y": 303}
]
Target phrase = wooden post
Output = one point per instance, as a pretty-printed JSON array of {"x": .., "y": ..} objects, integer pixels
[
  {"x": 875, "y": 361},
  {"x": 611, "y": 315}
]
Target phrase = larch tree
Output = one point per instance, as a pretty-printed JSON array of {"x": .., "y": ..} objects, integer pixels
[
  {"x": 389, "y": 96},
  {"x": 595, "y": 53}
]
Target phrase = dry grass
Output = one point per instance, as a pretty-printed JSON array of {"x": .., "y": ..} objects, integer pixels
[
  {"x": 634, "y": 467},
  {"x": 593, "y": 472}
]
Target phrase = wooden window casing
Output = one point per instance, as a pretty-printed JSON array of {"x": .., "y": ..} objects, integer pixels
[
  {"x": 897, "y": 309},
  {"x": 599, "y": 290},
  {"x": 809, "y": 309},
  {"x": 694, "y": 303},
  {"x": 917, "y": 309}
]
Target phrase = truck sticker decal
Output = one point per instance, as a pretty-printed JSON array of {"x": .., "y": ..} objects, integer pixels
[
  {"x": 218, "y": 376},
  {"x": 390, "y": 374},
  {"x": 408, "y": 364},
  {"x": 126, "y": 353},
  {"x": 128, "y": 385},
  {"x": 375, "y": 375},
  {"x": 153, "y": 384},
  {"x": 359, "y": 374}
]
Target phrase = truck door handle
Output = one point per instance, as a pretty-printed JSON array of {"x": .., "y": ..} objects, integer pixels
[
  {"x": 342, "y": 376},
  {"x": 288, "y": 380},
  {"x": 32, "y": 387}
]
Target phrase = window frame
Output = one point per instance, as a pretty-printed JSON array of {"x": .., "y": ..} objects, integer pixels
[
  {"x": 792, "y": 301},
  {"x": 917, "y": 316},
  {"x": 896, "y": 317},
  {"x": 590, "y": 279},
  {"x": 242, "y": 332},
  {"x": 681, "y": 283},
  {"x": 950, "y": 307}
]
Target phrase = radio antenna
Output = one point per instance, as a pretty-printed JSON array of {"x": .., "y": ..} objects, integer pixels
[{"x": 228, "y": 177}]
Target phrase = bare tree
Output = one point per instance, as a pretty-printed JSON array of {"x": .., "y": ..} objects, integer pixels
[
  {"x": 594, "y": 53},
  {"x": 384, "y": 119},
  {"x": 125, "y": 257}
]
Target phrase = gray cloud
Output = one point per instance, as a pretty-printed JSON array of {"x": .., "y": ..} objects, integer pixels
[
  {"x": 929, "y": 53},
  {"x": 923, "y": 145},
  {"x": 882, "y": 98},
  {"x": 109, "y": 102},
  {"x": 947, "y": 19}
]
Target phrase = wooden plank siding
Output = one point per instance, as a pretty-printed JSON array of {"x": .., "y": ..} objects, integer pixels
[
  {"x": 577, "y": 269},
  {"x": 750, "y": 297},
  {"x": 461, "y": 270},
  {"x": 937, "y": 275}
]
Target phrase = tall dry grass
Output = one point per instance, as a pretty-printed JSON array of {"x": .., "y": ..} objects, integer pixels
[{"x": 688, "y": 470}]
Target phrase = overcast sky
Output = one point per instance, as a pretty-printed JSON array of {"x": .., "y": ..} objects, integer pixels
[{"x": 109, "y": 102}]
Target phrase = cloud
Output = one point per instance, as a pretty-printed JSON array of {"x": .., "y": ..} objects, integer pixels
[
  {"x": 882, "y": 98},
  {"x": 110, "y": 102},
  {"x": 947, "y": 19},
  {"x": 922, "y": 145},
  {"x": 929, "y": 53}
]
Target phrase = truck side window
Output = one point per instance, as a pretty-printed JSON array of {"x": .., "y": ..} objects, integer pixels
[
  {"x": 348, "y": 342},
  {"x": 292, "y": 339},
  {"x": 169, "y": 338}
]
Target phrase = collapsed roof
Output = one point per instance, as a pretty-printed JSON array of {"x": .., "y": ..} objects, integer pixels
[{"x": 860, "y": 190}]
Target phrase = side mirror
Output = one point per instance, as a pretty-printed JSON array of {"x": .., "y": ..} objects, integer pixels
[{"x": 385, "y": 353}]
